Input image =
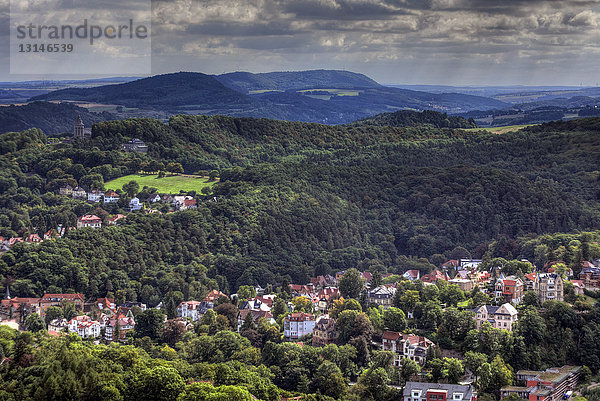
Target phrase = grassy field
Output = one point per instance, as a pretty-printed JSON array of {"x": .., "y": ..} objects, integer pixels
[
  {"x": 502, "y": 130},
  {"x": 165, "y": 185},
  {"x": 339, "y": 92},
  {"x": 261, "y": 91}
]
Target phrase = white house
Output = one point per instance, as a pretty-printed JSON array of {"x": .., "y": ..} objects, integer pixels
[
  {"x": 154, "y": 198},
  {"x": 135, "y": 204},
  {"x": 297, "y": 325},
  {"x": 57, "y": 325},
  {"x": 111, "y": 197},
  {"x": 95, "y": 196},
  {"x": 89, "y": 220},
  {"x": 193, "y": 309},
  {"x": 408, "y": 346},
  {"x": 500, "y": 317},
  {"x": 84, "y": 327}
]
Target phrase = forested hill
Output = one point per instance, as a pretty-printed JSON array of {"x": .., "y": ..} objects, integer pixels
[
  {"x": 161, "y": 91},
  {"x": 51, "y": 118},
  {"x": 281, "y": 81},
  {"x": 294, "y": 200},
  {"x": 409, "y": 118},
  {"x": 330, "y": 97}
]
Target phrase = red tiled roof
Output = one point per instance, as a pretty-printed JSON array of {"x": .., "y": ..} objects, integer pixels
[
  {"x": 300, "y": 316},
  {"x": 46, "y": 297},
  {"x": 90, "y": 218},
  {"x": 214, "y": 295},
  {"x": 391, "y": 335},
  {"x": 116, "y": 217}
]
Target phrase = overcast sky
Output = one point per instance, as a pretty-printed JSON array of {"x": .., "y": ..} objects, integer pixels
[{"x": 454, "y": 42}]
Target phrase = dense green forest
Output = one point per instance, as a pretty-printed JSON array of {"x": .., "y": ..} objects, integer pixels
[
  {"x": 245, "y": 82},
  {"x": 294, "y": 200},
  {"x": 409, "y": 118},
  {"x": 51, "y": 118}
]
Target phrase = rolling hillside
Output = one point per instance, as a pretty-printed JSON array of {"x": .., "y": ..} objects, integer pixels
[
  {"x": 162, "y": 91},
  {"x": 51, "y": 118},
  {"x": 330, "y": 97},
  {"x": 246, "y": 82}
]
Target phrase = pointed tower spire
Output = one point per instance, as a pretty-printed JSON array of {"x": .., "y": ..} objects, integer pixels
[{"x": 7, "y": 296}]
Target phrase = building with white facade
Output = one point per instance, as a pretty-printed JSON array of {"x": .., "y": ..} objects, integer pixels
[
  {"x": 500, "y": 317},
  {"x": 297, "y": 325},
  {"x": 408, "y": 346},
  {"x": 84, "y": 326},
  {"x": 89, "y": 220},
  {"x": 135, "y": 204},
  {"x": 417, "y": 391},
  {"x": 95, "y": 196}
]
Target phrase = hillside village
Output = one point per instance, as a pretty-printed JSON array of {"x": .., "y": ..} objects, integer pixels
[{"x": 311, "y": 311}]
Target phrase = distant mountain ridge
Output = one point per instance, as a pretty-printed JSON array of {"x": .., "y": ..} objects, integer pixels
[
  {"x": 330, "y": 97},
  {"x": 245, "y": 82},
  {"x": 160, "y": 91}
]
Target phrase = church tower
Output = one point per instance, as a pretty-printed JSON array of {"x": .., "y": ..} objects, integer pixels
[{"x": 78, "y": 129}]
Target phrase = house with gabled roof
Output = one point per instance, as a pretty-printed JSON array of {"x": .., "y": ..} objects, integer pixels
[
  {"x": 500, "y": 317},
  {"x": 84, "y": 326},
  {"x": 214, "y": 295},
  {"x": 111, "y": 196},
  {"x": 408, "y": 346},
  {"x": 95, "y": 195},
  {"x": 412, "y": 274},
  {"x": 296, "y": 325},
  {"x": 509, "y": 290},
  {"x": 114, "y": 220},
  {"x": 66, "y": 190},
  {"x": 126, "y": 323},
  {"x": 256, "y": 316},
  {"x": 33, "y": 239},
  {"x": 193, "y": 309},
  {"x": 325, "y": 332},
  {"x": 381, "y": 295},
  {"x": 89, "y": 220},
  {"x": 79, "y": 192},
  {"x": 434, "y": 276},
  {"x": 154, "y": 198},
  {"x": 57, "y": 326}
]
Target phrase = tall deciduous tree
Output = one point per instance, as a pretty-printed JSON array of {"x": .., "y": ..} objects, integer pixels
[{"x": 351, "y": 284}]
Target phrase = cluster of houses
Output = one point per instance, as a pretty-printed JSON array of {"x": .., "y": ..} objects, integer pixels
[
  {"x": 547, "y": 287},
  {"x": 110, "y": 321},
  {"x": 553, "y": 384},
  {"x": 88, "y": 220},
  {"x": 178, "y": 202}
]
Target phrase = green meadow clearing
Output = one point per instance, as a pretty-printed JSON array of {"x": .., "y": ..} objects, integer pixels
[
  {"x": 166, "y": 185},
  {"x": 503, "y": 129}
]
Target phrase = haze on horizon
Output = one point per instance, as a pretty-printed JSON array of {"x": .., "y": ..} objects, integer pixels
[{"x": 439, "y": 42}]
